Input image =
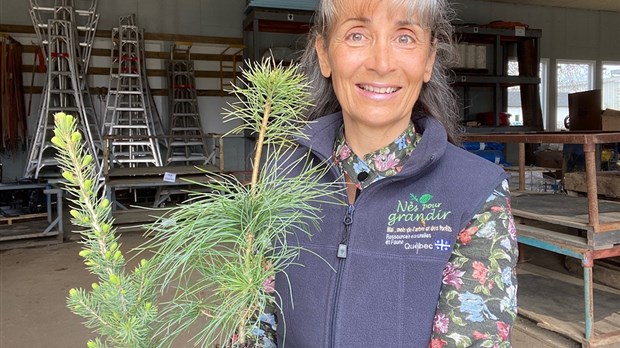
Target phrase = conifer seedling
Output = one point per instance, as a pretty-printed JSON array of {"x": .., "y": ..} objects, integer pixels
[{"x": 215, "y": 256}]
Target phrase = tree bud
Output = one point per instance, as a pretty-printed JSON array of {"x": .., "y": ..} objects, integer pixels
[
  {"x": 69, "y": 176},
  {"x": 87, "y": 160},
  {"x": 59, "y": 117},
  {"x": 58, "y": 142},
  {"x": 76, "y": 137},
  {"x": 114, "y": 279}
]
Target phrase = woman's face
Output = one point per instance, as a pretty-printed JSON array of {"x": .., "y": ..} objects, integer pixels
[{"x": 378, "y": 60}]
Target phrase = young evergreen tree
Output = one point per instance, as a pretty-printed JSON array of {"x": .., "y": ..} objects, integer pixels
[
  {"x": 216, "y": 254},
  {"x": 120, "y": 307}
]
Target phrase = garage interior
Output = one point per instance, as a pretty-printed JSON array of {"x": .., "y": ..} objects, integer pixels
[{"x": 148, "y": 81}]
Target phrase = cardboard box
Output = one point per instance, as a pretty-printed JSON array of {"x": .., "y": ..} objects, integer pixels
[{"x": 611, "y": 120}]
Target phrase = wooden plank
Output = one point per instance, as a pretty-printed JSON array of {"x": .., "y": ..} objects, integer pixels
[
  {"x": 156, "y": 72},
  {"x": 154, "y": 91},
  {"x": 540, "y": 137},
  {"x": 219, "y": 40},
  {"x": 562, "y": 210},
  {"x": 607, "y": 183},
  {"x": 603, "y": 272},
  {"x": 104, "y": 52},
  {"x": 27, "y": 236},
  {"x": 531, "y": 169},
  {"x": 559, "y": 238},
  {"x": 154, "y": 182},
  {"x": 10, "y": 219},
  {"x": 160, "y": 171},
  {"x": 555, "y": 301}
]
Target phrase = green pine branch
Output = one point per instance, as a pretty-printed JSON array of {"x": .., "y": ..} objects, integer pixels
[{"x": 221, "y": 250}]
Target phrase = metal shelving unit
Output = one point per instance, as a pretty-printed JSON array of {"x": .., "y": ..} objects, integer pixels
[{"x": 503, "y": 43}]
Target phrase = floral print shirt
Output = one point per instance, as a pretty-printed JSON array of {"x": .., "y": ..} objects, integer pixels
[
  {"x": 379, "y": 164},
  {"x": 477, "y": 303}
]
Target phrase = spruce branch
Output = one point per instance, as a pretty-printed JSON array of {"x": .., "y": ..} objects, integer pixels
[{"x": 120, "y": 304}]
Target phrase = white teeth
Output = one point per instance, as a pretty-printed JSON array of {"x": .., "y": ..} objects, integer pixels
[{"x": 380, "y": 90}]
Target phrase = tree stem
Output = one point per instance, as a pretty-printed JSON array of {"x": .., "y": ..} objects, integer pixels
[
  {"x": 244, "y": 316},
  {"x": 259, "y": 145}
]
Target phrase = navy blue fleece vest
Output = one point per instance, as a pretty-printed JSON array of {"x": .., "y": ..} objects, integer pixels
[{"x": 399, "y": 235}]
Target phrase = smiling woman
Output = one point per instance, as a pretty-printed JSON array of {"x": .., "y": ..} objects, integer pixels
[
  {"x": 377, "y": 59},
  {"x": 424, "y": 252}
]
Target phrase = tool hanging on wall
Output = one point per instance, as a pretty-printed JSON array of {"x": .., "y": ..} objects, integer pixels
[{"x": 13, "y": 122}]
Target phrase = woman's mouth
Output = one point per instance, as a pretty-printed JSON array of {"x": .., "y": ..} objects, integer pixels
[{"x": 379, "y": 90}]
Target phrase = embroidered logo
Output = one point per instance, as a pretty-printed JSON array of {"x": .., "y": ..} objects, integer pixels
[
  {"x": 418, "y": 210},
  {"x": 442, "y": 245},
  {"x": 414, "y": 222}
]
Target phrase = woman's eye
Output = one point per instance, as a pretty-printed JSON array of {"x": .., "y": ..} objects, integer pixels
[
  {"x": 405, "y": 39},
  {"x": 356, "y": 37}
]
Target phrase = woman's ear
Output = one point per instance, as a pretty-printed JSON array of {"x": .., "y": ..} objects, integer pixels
[
  {"x": 430, "y": 62},
  {"x": 321, "y": 51}
]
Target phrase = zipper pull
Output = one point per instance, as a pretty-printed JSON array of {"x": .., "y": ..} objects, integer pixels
[{"x": 348, "y": 220}]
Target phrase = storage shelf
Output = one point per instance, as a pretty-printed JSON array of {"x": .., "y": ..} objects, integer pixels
[
  {"x": 504, "y": 81},
  {"x": 490, "y": 84},
  {"x": 506, "y": 34},
  {"x": 277, "y": 21},
  {"x": 259, "y": 21}
]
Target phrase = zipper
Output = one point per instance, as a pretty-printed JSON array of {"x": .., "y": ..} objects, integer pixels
[
  {"x": 348, "y": 220},
  {"x": 342, "y": 256}
]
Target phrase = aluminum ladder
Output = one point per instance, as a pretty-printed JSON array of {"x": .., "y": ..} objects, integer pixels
[
  {"x": 66, "y": 37},
  {"x": 131, "y": 123},
  {"x": 187, "y": 142}
]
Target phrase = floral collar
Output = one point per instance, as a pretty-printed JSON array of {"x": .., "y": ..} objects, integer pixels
[{"x": 382, "y": 163}]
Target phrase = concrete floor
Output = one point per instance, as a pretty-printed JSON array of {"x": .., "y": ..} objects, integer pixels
[{"x": 34, "y": 283}]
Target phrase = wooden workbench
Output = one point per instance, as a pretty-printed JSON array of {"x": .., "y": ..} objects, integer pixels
[
  {"x": 52, "y": 230},
  {"x": 167, "y": 180},
  {"x": 585, "y": 228}
]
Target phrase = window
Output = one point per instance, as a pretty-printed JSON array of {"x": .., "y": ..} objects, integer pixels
[
  {"x": 611, "y": 86},
  {"x": 514, "y": 93},
  {"x": 572, "y": 77}
]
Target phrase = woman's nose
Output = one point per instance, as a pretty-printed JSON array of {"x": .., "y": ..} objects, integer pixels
[{"x": 381, "y": 59}]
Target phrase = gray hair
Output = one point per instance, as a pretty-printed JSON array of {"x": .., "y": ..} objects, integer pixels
[{"x": 437, "y": 98}]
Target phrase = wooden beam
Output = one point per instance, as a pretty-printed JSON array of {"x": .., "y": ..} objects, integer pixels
[
  {"x": 104, "y": 52},
  {"x": 154, "y": 91},
  {"x": 153, "y": 72},
  {"x": 216, "y": 40}
]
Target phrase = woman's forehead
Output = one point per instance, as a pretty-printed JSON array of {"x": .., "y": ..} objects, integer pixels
[{"x": 401, "y": 10}]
